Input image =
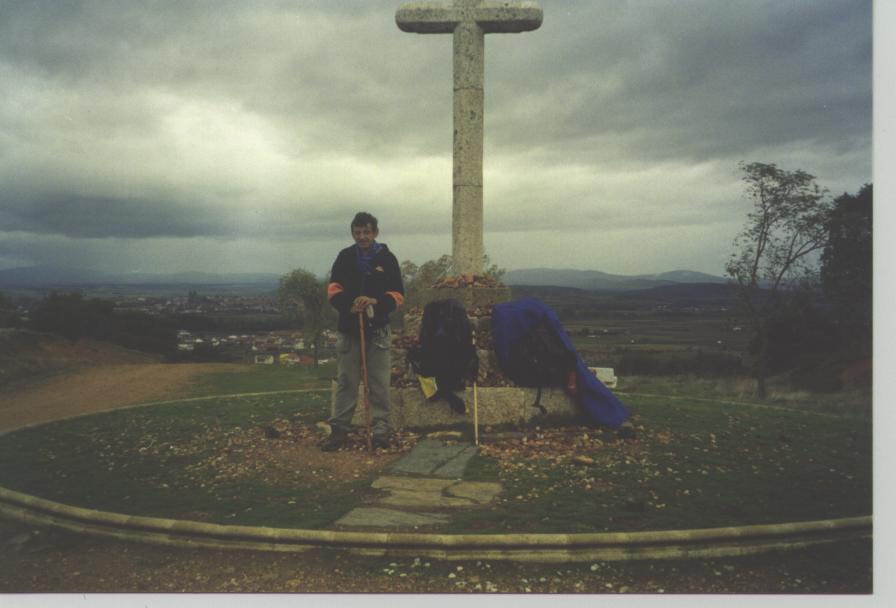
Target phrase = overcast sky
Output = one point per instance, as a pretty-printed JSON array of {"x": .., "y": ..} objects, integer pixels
[{"x": 243, "y": 136}]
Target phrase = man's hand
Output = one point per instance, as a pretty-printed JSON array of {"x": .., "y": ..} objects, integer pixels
[{"x": 362, "y": 302}]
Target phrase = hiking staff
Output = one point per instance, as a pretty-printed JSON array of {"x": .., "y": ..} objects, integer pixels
[
  {"x": 475, "y": 397},
  {"x": 364, "y": 379}
]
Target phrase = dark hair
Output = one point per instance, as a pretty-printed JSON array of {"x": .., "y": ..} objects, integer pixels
[{"x": 362, "y": 218}]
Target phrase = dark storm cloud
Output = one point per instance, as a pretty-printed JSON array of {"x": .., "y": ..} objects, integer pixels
[
  {"x": 275, "y": 121},
  {"x": 692, "y": 80},
  {"x": 102, "y": 217}
]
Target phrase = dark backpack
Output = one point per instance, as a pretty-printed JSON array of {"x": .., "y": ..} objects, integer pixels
[
  {"x": 540, "y": 359},
  {"x": 446, "y": 349},
  {"x": 512, "y": 322}
]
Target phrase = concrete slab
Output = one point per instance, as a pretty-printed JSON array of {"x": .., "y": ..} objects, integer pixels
[
  {"x": 480, "y": 492},
  {"x": 411, "y": 484},
  {"x": 401, "y": 498},
  {"x": 389, "y": 518},
  {"x": 454, "y": 468},
  {"x": 427, "y": 456}
]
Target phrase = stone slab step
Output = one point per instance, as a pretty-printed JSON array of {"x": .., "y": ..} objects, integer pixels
[
  {"x": 433, "y": 458},
  {"x": 378, "y": 517}
]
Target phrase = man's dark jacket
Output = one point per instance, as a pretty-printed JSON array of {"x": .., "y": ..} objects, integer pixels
[{"x": 347, "y": 282}]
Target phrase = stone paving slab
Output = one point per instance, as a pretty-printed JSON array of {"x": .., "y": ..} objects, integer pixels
[
  {"x": 427, "y": 456},
  {"x": 430, "y": 476},
  {"x": 411, "y": 484},
  {"x": 454, "y": 468},
  {"x": 389, "y": 518},
  {"x": 480, "y": 492},
  {"x": 399, "y": 498}
]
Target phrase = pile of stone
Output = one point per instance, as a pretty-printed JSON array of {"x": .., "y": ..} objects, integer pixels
[{"x": 467, "y": 280}]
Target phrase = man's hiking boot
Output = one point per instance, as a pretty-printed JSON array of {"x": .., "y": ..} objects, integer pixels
[{"x": 337, "y": 439}]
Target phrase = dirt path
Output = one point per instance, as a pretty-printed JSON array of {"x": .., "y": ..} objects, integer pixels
[{"x": 97, "y": 389}]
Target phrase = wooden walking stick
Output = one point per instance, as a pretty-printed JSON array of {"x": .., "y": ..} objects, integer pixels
[
  {"x": 475, "y": 397},
  {"x": 366, "y": 390}
]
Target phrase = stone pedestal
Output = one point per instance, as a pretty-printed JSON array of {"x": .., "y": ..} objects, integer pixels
[{"x": 497, "y": 405}]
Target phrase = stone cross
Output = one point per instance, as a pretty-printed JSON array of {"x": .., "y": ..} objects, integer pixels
[{"x": 469, "y": 21}]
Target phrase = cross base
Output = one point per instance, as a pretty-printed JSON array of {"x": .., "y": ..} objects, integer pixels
[{"x": 498, "y": 405}]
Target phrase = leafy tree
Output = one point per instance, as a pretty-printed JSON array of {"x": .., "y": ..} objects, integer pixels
[
  {"x": 846, "y": 268},
  {"x": 417, "y": 278},
  {"x": 74, "y": 317},
  {"x": 776, "y": 251},
  {"x": 71, "y": 316},
  {"x": 8, "y": 317},
  {"x": 303, "y": 297}
]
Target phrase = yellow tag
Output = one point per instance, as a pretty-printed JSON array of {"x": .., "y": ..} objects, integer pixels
[{"x": 428, "y": 386}]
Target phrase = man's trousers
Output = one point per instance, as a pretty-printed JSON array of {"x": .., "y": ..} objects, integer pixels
[{"x": 379, "y": 356}]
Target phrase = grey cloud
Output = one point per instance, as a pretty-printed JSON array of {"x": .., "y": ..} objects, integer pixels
[
  {"x": 88, "y": 89},
  {"x": 697, "y": 79},
  {"x": 106, "y": 217}
]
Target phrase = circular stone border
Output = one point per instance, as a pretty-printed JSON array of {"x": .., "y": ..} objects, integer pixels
[
  {"x": 608, "y": 546},
  {"x": 542, "y": 547}
]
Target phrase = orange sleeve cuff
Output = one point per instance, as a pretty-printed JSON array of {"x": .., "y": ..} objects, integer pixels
[
  {"x": 399, "y": 299},
  {"x": 333, "y": 289}
]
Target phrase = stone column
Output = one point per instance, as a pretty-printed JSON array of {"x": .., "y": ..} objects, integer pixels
[{"x": 466, "y": 225}]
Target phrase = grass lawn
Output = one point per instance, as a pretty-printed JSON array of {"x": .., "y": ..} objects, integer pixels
[
  {"x": 208, "y": 461},
  {"x": 692, "y": 464},
  {"x": 253, "y": 460},
  {"x": 264, "y": 378}
]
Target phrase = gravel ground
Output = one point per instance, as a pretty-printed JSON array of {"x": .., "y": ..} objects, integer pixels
[{"x": 41, "y": 561}]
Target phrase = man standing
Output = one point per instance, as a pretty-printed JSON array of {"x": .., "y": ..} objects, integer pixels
[{"x": 365, "y": 279}]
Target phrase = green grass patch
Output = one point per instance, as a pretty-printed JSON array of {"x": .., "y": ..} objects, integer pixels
[
  {"x": 264, "y": 378},
  {"x": 692, "y": 464},
  {"x": 207, "y": 461}
]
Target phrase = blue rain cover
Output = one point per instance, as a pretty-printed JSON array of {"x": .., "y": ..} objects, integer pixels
[{"x": 514, "y": 319}]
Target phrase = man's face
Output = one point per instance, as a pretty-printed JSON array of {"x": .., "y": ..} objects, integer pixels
[{"x": 364, "y": 236}]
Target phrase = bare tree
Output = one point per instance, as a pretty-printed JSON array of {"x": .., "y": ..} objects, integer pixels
[{"x": 776, "y": 251}]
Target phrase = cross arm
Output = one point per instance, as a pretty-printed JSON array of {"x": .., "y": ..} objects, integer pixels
[
  {"x": 508, "y": 17},
  {"x": 426, "y": 18},
  {"x": 492, "y": 17}
]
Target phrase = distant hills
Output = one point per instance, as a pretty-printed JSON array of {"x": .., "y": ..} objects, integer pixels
[
  {"x": 46, "y": 276},
  {"x": 594, "y": 280}
]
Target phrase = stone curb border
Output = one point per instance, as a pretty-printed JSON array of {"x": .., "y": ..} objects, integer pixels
[{"x": 608, "y": 546}]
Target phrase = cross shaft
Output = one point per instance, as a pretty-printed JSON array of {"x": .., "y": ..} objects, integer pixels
[{"x": 468, "y": 21}]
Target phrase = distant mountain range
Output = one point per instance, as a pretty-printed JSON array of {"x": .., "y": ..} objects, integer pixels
[
  {"x": 55, "y": 276},
  {"x": 594, "y": 280}
]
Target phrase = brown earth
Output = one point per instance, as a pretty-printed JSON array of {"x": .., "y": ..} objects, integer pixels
[
  {"x": 98, "y": 388},
  {"x": 35, "y": 560}
]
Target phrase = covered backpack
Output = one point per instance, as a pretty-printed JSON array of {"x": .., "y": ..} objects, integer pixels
[{"x": 533, "y": 350}]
